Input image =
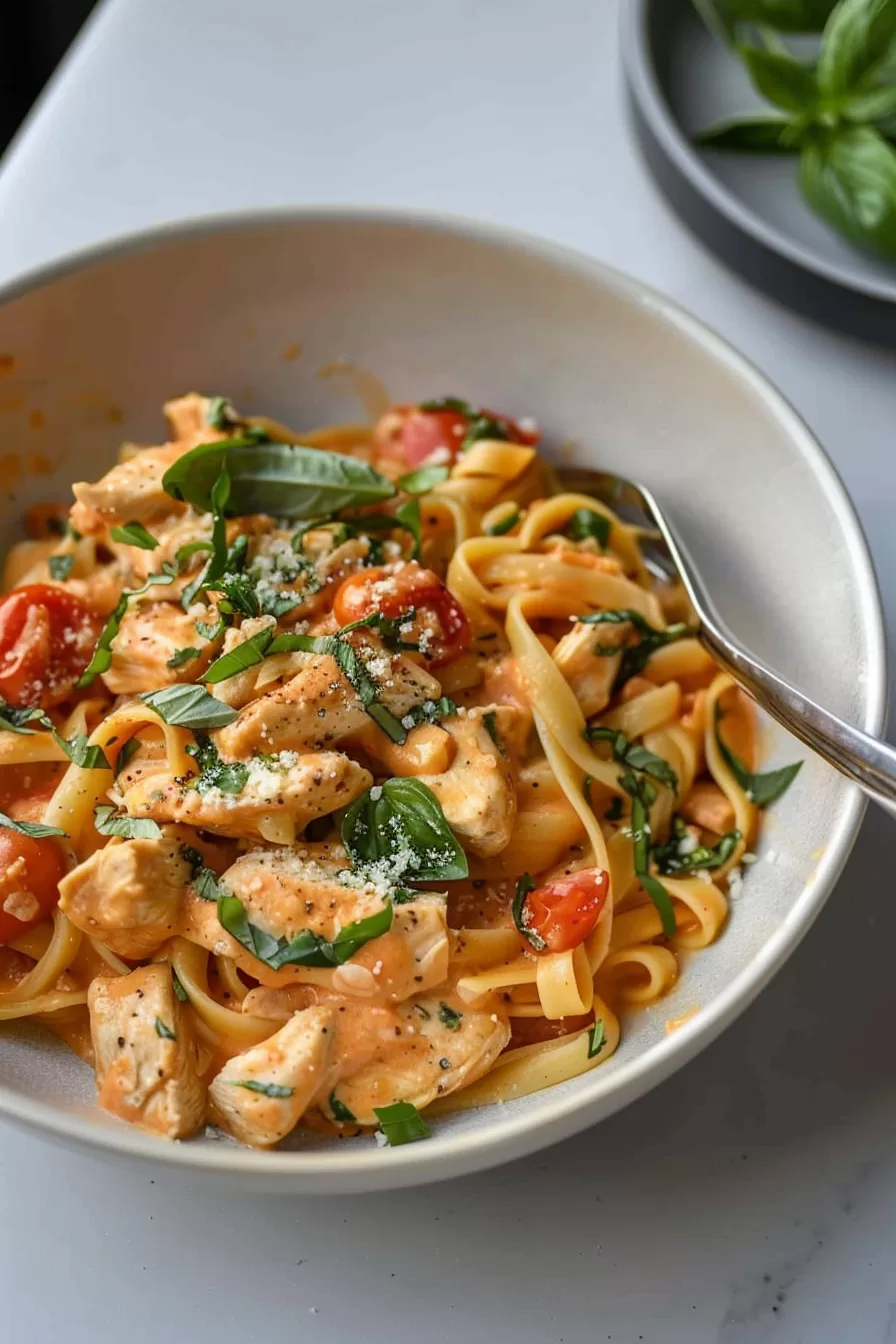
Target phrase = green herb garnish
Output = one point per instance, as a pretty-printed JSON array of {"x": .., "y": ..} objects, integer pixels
[
  {"x": 306, "y": 948},
  {"x": 450, "y": 1017},
  {"x": 35, "y": 829},
  {"x": 134, "y": 534},
  {"x": 398, "y": 831},
  {"x": 760, "y": 789},
  {"x": 60, "y": 567},
  {"x": 633, "y": 755},
  {"x": 670, "y": 858},
  {"x": 596, "y": 1039},
  {"x": 108, "y": 821},
  {"x": 421, "y": 481},
  {"x": 188, "y": 706},
  {"x": 524, "y": 885},
  {"x": 340, "y": 1112},
  {"x": 643, "y": 794},
  {"x": 585, "y": 524},
  {"x": 182, "y": 656},
  {"x": 401, "y": 1123},
  {"x": 102, "y": 654},
  {"x": 265, "y": 1089},
  {"x": 163, "y": 1030}
]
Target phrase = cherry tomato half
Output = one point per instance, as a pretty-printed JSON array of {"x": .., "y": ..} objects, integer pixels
[
  {"x": 30, "y": 873},
  {"x": 409, "y": 434},
  {"x": 47, "y": 637},
  {"x": 565, "y": 911},
  {"x": 438, "y": 624}
]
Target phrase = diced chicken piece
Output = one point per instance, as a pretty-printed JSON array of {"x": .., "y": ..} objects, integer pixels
[
  {"x": 149, "y": 639},
  {"x": 439, "y": 1045},
  {"x": 187, "y": 418},
  {"x": 261, "y": 1095},
  {"x": 130, "y": 491},
  {"x": 319, "y": 707},
  {"x": 591, "y": 675},
  {"x": 707, "y": 806},
  {"x": 281, "y": 795},
  {"x": 128, "y": 895},
  {"x": 146, "y": 1068},
  {"x": 477, "y": 793},
  {"x": 287, "y": 890}
]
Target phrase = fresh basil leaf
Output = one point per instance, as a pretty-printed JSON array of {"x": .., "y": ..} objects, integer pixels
[
  {"x": 182, "y": 656},
  {"x": 588, "y": 523},
  {"x": 747, "y": 135},
  {"x": 409, "y": 517},
  {"x": 859, "y": 37},
  {"x": 266, "y": 1089},
  {"x": 228, "y": 776},
  {"x": 635, "y": 657},
  {"x": 209, "y": 632},
  {"x": 77, "y": 749},
  {"x": 352, "y": 665},
  {"x": 398, "y": 831},
  {"x": 450, "y": 1017},
  {"x": 126, "y": 755},
  {"x": 15, "y": 719},
  {"x": 431, "y": 711},
  {"x": 179, "y": 991},
  {"x": 672, "y": 858},
  {"x": 781, "y": 79},
  {"x": 787, "y": 16},
  {"x": 36, "y": 829},
  {"x": 134, "y": 534},
  {"x": 596, "y": 1039},
  {"x": 875, "y": 105},
  {"x": 401, "y": 1123},
  {"x": 642, "y": 794},
  {"x": 102, "y": 654},
  {"x": 661, "y": 900},
  {"x": 849, "y": 177},
  {"x": 280, "y": 479},
  {"x": 339, "y": 1111},
  {"x": 448, "y": 404},
  {"x": 524, "y": 885},
  {"x": 422, "y": 480},
  {"x": 108, "y": 821},
  {"x": 187, "y": 706},
  {"x": 490, "y": 720},
  {"x": 217, "y": 563},
  {"x": 163, "y": 1030},
  {"x": 306, "y": 948},
  {"x": 633, "y": 755},
  {"x": 761, "y": 789},
  {"x": 220, "y": 413},
  {"x": 60, "y": 567},
  {"x": 242, "y": 656},
  {"x": 506, "y": 523}
]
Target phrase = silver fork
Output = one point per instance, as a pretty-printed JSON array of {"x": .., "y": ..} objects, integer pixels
[{"x": 867, "y": 761}]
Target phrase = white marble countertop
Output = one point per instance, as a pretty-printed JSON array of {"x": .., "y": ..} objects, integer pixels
[{"x": 750, "y": 1198}]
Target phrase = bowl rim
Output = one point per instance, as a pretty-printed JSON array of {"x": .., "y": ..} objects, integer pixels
[
  {"x": 354, "y": 1168},
  {"x": 642, "y": 79}
]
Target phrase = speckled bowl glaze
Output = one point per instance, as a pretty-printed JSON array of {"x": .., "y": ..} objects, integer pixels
[{"x": 301, "y": 311}]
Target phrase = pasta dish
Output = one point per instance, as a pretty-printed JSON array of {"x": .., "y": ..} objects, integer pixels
[{"x": 351, "y": 777}]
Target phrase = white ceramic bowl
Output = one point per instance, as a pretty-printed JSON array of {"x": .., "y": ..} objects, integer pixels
[{"x": 432, "y": 306}]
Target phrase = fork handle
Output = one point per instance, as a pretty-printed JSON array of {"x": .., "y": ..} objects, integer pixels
[{"x": 868, "y": 762}]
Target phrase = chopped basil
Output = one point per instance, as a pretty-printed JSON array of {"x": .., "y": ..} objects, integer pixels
[
  {"x": 398, "y": 831},
  {"x": 401, "y": 1123},
  {"x": 60, "y": 566},
  {"x": 524, "y": 885},
  {"x": 506, "y": 523},
  {"x": 163, "y": 1030},
  {"x": 102, "y": 654},
  {"x": 760, "y": 789},
  {"x": 339, "y": 1111},
  {"x": 217, "y": 563},
  {"x": 673, "y": 858},
  {"x": 127, "y": 754},
  {"x": 642, "y": 794},
  {"x": 242, "y": 656},
  {"x": 306, "y": 948},
  {"x": 209, "y": 632},
  {"x": 36, "y": 829},
  {"x": 409, "y": 517},
  {"x": 204, "y": 881},
  {"x": 182, "y": 656},
  {"x": 448, "y": 404},
  {"x": 490, "y": 719},
  {"x": 266, "y": 1089},
  {"x": 188, "y": 706},
  {"x": 77, "y": 748},
  {"x": 587, "y": 523},
  {"x": 108, "y": 821},
  {"x": 636, "y": 657},
  {"x": 220, "y": 413},
  {"x": 134, "y": 534},
  {"x": 421, "y": 481},
  {"x": 431, "y": 711},
  {"x": 633, "y": 755},
  {"x": 283, "y": 480},
  {"x": 179, "y": 991},
  {"x": 596, "y": 1039},
  {"x": 450, "y": 1017},
  {"x": 228, "y": 776}
]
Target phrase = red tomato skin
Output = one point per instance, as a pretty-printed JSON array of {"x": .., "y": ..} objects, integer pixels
[
  {"x": 565, "y": 911},
  {"x": 30, "y": 873},
  {"x": 409, "y": 435},
  {"x": 47, "y": 636},
  {"x": 393, "y": 593}
]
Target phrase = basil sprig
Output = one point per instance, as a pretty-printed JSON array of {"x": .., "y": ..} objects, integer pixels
[
  {"x": 283, "y": 480},
  {"x": 398, "y": 831},
  {"x": 633, "y": 755},
  {"x": 636, "y": 656},
  {"x": 671, "y": 859},
  {"x": 643, "y": 794},
  {"x": 188, "y": 706},
  {"x": 837, "y": 112},
  {"x": 306, "y": 948},
  {"x": 401, "y": 1123},
  {"x": 102, "y": 654},
  {"x": 108, "y": 821},
  {"x": 761, "y": 789},
  {"x": 77, "y": 748}
]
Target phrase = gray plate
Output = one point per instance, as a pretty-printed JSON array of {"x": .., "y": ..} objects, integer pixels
[{"x": 748, "y": 209}]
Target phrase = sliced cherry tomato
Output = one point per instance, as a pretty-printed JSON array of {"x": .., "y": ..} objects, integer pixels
[
  {"x": 47, "y": 636},
  {"x": 410, "y": 434},
  {"x": 438, "y": 622},
  {"x": 565, "y": 911},
  {"x": 30, "y": 873}
]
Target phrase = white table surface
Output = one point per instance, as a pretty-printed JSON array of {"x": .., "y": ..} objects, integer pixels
[{"x": 752, "y": 1197}]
